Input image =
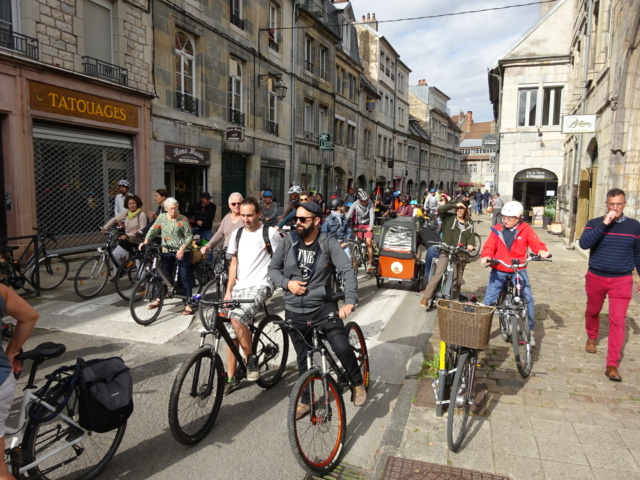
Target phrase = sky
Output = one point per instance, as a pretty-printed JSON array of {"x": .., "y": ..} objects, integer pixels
[{"x": 452, "y": 53}]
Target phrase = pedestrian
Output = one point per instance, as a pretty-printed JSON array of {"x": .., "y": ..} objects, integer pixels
[
  {"x": 613, "y": 241},
  {"x": 350, "y": 197},
  {"x": 478, "y": 197},
  {"x": 486, "y": 198},
  {"x": 201, "y": 217},
  {"x": 496, "y": 204}
]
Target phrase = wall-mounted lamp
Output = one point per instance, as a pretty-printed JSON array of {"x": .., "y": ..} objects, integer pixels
[
  {"x": 539, "y": 132},
  {"x": 280, "y": 87},
  {"x": 540, "y": 137}
]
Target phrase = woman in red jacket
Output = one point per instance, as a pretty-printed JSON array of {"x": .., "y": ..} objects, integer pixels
[{"x": 510, "y": 240}]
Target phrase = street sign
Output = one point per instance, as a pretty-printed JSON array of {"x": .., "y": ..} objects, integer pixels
[
  {"x": 490, "y": 141},
  {"x": 578, "y": 124},
  {"x": 324, "y": 141},
  {"x": 390, "y": 163},
  {"x": 234, "y": 134}
]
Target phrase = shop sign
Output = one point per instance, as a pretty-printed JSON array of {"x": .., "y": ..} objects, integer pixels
[
  {"x": 71, "y": 103},
  {"x": 371, "y": 105},
  {"x": 324, "y": 141},
  {"x": 490, "y": 142},
  {"x": 190, "y": 155},
  {"x": 390, "y": 163},
  {"x": 578, "y": 124},
  {"x": 234, "y": 134},
  {"x": 536, "y": 174},
  {"x": 267, "y": 162}
]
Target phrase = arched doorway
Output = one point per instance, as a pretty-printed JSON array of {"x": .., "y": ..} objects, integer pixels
[
  {"x": 534, "y": 186},
  {"x": 409, "y": 189},
  {"x": 423, "y": 187},
  {"x": 336, "y": 183},
  {"x": 587, "y": 188},
  {"x": 362, "y": 182},
  {"x": 441, "y": 187},
  {"x": 432, "y": 184}
]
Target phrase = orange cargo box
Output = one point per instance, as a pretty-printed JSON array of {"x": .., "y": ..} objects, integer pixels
[{"x": 400, "y": 268}]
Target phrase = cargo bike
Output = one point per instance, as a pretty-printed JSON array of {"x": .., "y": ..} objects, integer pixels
[{"x": 398, "y": 258}]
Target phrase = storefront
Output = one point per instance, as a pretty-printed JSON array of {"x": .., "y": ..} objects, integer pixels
[
  {"x": 185, "y": 173},
  {"x": 534, "y": 186}
]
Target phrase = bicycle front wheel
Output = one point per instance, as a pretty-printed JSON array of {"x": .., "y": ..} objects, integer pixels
[
  {"x": 212, "y": 292},
  {"x": 53, "y": 271},
  {"x": 91, "y": 277},
  {"x": 196, "y": 396},
  {"x": 356, "y": 340},
  {"x": 271, "y": 346},
  {"x": 477, "y": 246},
  {"x": 520, "y": 340},
  {"x": 127, "y": 276},
  {"x": 82, "y": 461},
  {"x": 459, "y": 402},
  {"x": 318, "y": 438},
  {"x": 147, "y": 299}
]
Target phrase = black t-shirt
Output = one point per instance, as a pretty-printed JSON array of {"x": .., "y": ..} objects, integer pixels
[
  {"x": 306, "y": 258},
  {"x": 380, "y": 210}
]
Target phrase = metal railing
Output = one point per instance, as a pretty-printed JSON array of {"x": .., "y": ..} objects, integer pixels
[
  {"x": 236, "y": 117},
  {"x": 19, "y": 43},
  {"x": 186, "y": 103},
  {"x": 237, "y": 21},
  {"x": 273, "y": 45},
  {"x": 308, "y": 135},
  {"x": 98, "y": 68},
  {"x": 329, "y": 20},
  {"x": 272, "y": 128},
  {"x": 308, "y": 66}
]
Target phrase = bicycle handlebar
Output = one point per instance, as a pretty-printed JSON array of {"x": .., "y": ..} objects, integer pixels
[
  {"x": 332, "y": 317},
  {"x": 231, "y": 304},
  {"x": 517, "y": 264}
]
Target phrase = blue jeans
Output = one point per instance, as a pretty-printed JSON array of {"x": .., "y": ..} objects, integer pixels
[
  {"x": 496, "y": 281},
  {"x": 184, "y": 270},
  {"x": 432, "y": 252}
]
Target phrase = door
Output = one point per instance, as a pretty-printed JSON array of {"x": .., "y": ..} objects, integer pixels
[
  {"x": 234, "y": 177},
  {"x": 185, "y": 183}
]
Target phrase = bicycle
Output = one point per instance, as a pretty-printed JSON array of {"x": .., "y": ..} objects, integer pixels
[
  {"x": 359, "y": 252},
  {"x": 53, "y": 444},
  {"x": 445, "y": 287},
  {"x": 94, "y": 272},
  {"x": 128, "y": 273},
  {"x": 197, "y": 391},
  {"x": 512, "y": 313},
  {"x": 318, "y": 439},
  {"x": 17, "y": 273}
]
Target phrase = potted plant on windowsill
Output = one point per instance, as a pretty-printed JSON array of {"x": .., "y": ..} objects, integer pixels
[{"x": 549, "y": 214}]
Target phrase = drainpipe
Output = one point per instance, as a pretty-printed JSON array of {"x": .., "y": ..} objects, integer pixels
[{"x": 496, "y": 174}]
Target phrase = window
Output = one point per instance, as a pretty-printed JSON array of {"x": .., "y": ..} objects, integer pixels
[
  {"x": 236, "y": 13},
  {"x": 323, "y": 62},
  {"x": 346, "y": 35},
  {"x": 185, "y": 77},
  {"x": 338, "y": 127},
  {"x": 527, "y": 102},
  {"x": 351, "y": 135},
  {"x": 367, "y": 143},
  {"x": 339, "y": 80},
  {"x": 382, "y": 55},
  {"x": 236, "y": 116},
  {"x": 308, "y": 54},
  {"x": 391, "y": 107},
  {"x": 98, "y": 30},
  {"x": 272, "y": 125},
  {"x": 322, "y": 120},
  {"x": 552, "y": 97},
  {"x": 380, "y": 151},
  {"x": 308, "y": 120},
  {"x": 400, "y": 82},
  {"x": 352, "y": 87},
  {"x": 401, "y": 115},
  {"x": 274, "y": 15}
]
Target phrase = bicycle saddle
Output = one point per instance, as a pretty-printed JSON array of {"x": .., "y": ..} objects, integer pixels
[
  {"x": 9, "y": 248},
  {"x": 44, "y": 351}
]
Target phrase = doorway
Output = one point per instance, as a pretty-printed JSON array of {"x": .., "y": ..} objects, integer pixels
[
  {"x": 534, "y": 186},
  {"x": 185, "y": 183},
  {"x": 234, "y": 177}
]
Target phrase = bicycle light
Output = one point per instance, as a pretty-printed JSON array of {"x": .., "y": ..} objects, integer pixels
[{"x": 517, "y": 300}]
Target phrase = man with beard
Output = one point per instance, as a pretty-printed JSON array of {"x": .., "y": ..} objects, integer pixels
[{"x": 303, "y": 266}]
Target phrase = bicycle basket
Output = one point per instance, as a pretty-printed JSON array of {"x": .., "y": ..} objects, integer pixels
[{"x": 464, "y": 324}]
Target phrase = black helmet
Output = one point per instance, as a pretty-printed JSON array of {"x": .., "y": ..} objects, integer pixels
[{"x": 335, "y": 203}]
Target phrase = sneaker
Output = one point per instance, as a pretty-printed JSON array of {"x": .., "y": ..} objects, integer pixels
[
  {"x": 371, "y": 269},
  {"x": 302, "y": 410},
  {"x": 232, "y": 385},
  {"x": 359, "y": 396},
  {"x": 253, "y": 373},
  {"x": 423, "y": 302},
  {"x": 532, "y": 340}
]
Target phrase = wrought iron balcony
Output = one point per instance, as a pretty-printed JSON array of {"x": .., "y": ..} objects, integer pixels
[
  {"x": 273, "y": 45},
  {"x": 324, "y": 74},
  {"x": 19, "y": 43},
  {"x": 308, "y": 66},
  {"x": 272, "y": 128},
  {"x": 237, "y": 21},
  {"x": 186, "y": 103},
  {"x": 329, "y": 20},
  {"x": 308, "y": 135},
  {"x": 236, "y": 117},
  {"x": 98, "y": 68}
]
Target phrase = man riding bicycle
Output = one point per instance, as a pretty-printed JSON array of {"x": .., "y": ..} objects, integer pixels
[
  {"x": 364, "y": 218},
  {"x": 431, "y": 203},
  {"x": 507, "y": 242},
  {"x": 303, "y": 266},
  {"x": 336, "y": 224}
]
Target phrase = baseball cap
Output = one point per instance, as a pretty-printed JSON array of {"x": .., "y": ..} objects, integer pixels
[
  {"x": 206, "y": 195},
  {"x": 311, "y": 207}
]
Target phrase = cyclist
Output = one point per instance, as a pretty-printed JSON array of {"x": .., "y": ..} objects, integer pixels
[
  {"x": 250, "y": 255},
  {"x": 405, "y": 210},
  {"x": 302, "y": 267},
  {"x": 457, "y": 229},
  {"x": 507, "y": 242},
  {"x": 336, "y": 224},
  {"x": 269, "y": 209},
  {"x": 431, "y": 202},
  {"x": 380, "y": 211},
  {"x": 12, "y": 304},
  {"x": 294, "y": 198},
  {"x": 364, "y": 218}
]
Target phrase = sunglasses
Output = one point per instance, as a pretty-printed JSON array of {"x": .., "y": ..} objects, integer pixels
[
  {"x": 234, "y": 204},
  {"x": 302, "y": 219},
  {"x": 304, "y": 199},
  {"x": 460, "y": 208}
]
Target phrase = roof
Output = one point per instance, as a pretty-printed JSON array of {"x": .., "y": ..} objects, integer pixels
[{"x": 470, "y": 142}]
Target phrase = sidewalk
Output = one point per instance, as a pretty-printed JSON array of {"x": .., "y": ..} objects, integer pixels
[{"x": 567, "y": 420}]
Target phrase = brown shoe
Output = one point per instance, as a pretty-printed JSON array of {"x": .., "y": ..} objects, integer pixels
[
  {"x": 590, "y": 347},
  {"x": 359, "y": 396},
  {"x": 423, "y": 302},
  {"x": 613, "y": 374},
  {"x": 302, "y": 410}
]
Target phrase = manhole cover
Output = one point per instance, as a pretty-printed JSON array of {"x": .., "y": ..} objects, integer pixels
[
  {"x": 404, "y": 469},
  {"x": 342, "y": 472}
]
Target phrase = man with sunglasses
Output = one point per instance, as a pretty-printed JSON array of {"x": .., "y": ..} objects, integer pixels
[{"x": 303, "y": 265}]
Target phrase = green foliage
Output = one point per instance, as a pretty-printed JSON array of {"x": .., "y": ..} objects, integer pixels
[
  {"x": 550, "y": 207},
  {"x": 430, "y": 367}
]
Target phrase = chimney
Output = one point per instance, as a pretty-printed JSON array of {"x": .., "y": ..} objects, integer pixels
[
  {"x": 470, "y": 117},
  {"x": 371, "y": 21}
]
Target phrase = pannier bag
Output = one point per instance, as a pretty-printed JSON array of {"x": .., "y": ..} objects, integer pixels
[{"x": 106, "y": 394}]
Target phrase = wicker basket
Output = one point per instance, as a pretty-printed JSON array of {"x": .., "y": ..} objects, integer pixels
[{"x": 465, "y": 324}]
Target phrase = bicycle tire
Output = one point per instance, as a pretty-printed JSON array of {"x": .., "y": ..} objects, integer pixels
[
  {"x": 82, "y": 462},
  {"x": 202, "y": 274},
  {"x": 146, "y": 291},
  {"x": 53, "y": 271},
  {"x": 379, "y": 282},
  {"x": 420, "y": 280},
  {"x": 459, "y": 403},
  {"x": 271, "y": 346},
  {"x": 91, "y": 277},
  {"x": 359, "y": 345},
  {"x": 212, "y": 292},
  {"x": 127, "y": 276},
  {"x": 505, "y": 323},
  {"x": 196, "y": 396},
  {"x": 520, "y": 341},
  {"x": 318, "y": 439},
  {"x": 477, "y": 247},
  {"x": 5, "y": 274}
]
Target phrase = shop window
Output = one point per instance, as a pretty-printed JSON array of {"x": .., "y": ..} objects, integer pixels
[{"x": 185, "y": 74}]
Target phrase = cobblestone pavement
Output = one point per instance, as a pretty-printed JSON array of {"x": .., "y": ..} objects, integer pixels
[{"x": 567, "y": 420}]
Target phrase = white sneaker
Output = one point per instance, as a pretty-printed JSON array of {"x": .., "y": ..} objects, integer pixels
[{"x": 532, "y": 340}]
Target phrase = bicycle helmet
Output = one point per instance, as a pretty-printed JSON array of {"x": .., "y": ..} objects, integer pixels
[
  {"x": 396, "y": 194},
  {"x": 267, "y": 193},
  {"x": 432, "y": 190},
  {"x": 413, "y": 202},
  {"x": 348, "y": 204},
  {"x": 295, "y": 189},
  {"x": 362, "y": 195},
  {"x": 124, "y": 183},
  {"x": 512, "y": 209},
  {"x": 335, "y": 203}
]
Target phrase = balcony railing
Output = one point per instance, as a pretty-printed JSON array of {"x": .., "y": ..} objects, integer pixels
[
  {"x": 19, "y": 43},
  {"x": 272, "y": 128},
  {"x": 329, "y": 20},
  {"x": 308, "y": 66},
  {"x": 98, "y": 68},
  {"x": 237, "y": 21},
  {"x": 324, "y": 74},
  {"x": 308, "y": 135},
  {"x": 186, "y": 103},
  {"x": 236, "y": 117},
  {"x": 273, "y": 45}
]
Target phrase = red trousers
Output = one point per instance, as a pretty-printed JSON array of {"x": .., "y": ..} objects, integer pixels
[{"x": 619, "y": 291}]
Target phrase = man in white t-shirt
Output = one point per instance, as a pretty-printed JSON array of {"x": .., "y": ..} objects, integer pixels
[{"x": 248, "y": 279}]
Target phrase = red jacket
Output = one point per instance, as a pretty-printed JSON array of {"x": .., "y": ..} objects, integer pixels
[{"x": 525, "y": 239}]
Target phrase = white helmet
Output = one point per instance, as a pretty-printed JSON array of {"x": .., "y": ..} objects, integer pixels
[
  {"x": 295, "y": 189},
  {"x": 362, "y": 195},
  {"x": 512, "y": 209}
]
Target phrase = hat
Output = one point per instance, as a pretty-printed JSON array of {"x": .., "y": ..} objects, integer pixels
[
  {"x": 311, "y": 207},
  {"x": 206, "y": 195}
]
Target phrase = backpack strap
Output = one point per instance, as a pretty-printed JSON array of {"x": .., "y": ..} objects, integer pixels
[
  {"x": 238, "y": 235},
  {"x": 267, "y": 240}
]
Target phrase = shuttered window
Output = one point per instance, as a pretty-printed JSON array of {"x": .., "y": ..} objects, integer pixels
[{"x": 98, "y": 31}]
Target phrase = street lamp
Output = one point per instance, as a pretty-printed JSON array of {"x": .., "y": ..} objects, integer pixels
[{"x": 280, "y": 87}]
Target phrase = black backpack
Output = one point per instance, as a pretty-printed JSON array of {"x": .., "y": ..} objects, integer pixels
[
  {"x": 265, "y": 236},
  {"x": 105, "y": 394}
]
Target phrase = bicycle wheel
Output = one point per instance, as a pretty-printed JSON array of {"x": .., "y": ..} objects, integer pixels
[
  {"x": 212, "y": 292},
  {"x": 363, "y": 260},
  {"x": 520, "y": 340},
  {"x": 459, "y": 403},
  {"x": 271, "y": 346},
  {"x": 357, "y": 342},
  {"x": 317, "y": 440},
  {"x": 82, "y": 461},
  {"x": 145, "y": 292},
  {"x": 477, "y": 246},
  {"x": 91, "y": 277},
  {"x": 53, "y": 271},
  {"x": 127, "y": 276},
  {"x": 202, "y": 275},
  {"x": 5, "y": 274},
  {"x": 196, "y": 396}
]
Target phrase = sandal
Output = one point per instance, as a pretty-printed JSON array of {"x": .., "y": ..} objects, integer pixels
[
  {"x": 187, "y": 310},
  {"x": 302, "y": 410},
  {"x": 153, "y": 305}
]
